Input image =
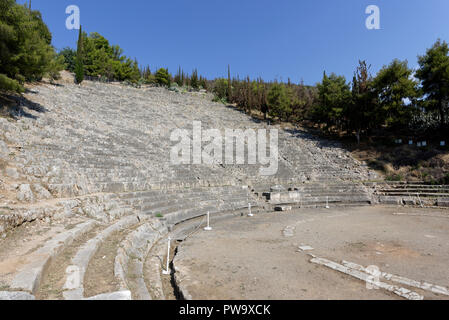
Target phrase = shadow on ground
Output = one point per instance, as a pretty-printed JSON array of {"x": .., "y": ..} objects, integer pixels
[{"x": 17, "y": 106}]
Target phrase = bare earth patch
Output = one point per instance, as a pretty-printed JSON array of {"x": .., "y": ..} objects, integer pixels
[
  {"x": 252, "y": 258},
  {"x": 19, "y": 243},
  {"x": 99, "y": 276}
]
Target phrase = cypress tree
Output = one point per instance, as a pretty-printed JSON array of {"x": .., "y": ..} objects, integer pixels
[
  {"x": 179, "y": 78},
  {"x": 194, "y": 80},
  {"x": 229, "y": 84},
  {"x": 248, "y": 95},
  {"x": 79, "y": 65}
]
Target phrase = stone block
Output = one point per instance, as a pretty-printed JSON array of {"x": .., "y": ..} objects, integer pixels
[
  {"x": 25, "y": 193},
  {"x": 12, "y": 173},
  {"x": 391, "y": 200},
  {"x": 4, "y": 150},
  {"x": 443, "y": 202},
  {"x": 17, "y": 295}
]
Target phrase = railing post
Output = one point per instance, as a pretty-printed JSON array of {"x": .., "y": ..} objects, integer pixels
[
  {"x": 208, "y": 228},
  {"x": 167, "y": 271}
]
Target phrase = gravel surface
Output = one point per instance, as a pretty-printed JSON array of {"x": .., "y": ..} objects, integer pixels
[{"x": 255, "y": 258}]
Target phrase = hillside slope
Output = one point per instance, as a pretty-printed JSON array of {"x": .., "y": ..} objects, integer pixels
[{"x": 73, "y": 141}]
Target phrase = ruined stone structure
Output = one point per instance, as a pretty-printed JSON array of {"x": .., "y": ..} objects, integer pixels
[{"x": 91, "y": 162}]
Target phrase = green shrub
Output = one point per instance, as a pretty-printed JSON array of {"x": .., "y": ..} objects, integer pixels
[
  {"x": 163, "y": 78},
  {"x": 394, "y": 178},
  {"x": 221, "y": 100},
  {"x": 8, "y": 84},
  {"x": 221, "y": 89},
  {"x": 278, "y": 102},
  {"x": 69, "y": 56},
  {"x": 150, "y": 79}
]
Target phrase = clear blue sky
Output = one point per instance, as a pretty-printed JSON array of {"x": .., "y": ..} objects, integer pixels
[{"x": 274, "y": 39}]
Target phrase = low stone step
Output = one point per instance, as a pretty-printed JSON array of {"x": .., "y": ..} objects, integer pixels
[
  {"x": 74, "y": 288},
  {"x": 167, "y": 194},
  {"x": 29, "y": 276},
  {"x": 162, "y": 211},
  {"x": 166, "y": 200},
  {"x": 113, "y": 296},
  {"x": 444, "y": 202},
  {"x": 131, "y": 256},
  {"x": 16, "y": 295},
  {"x": 175, "y": 202},
  {"x": 152, "y": 270},
  {"x": 361, "y": 199},
  {"x": 414, "y": 194},
  {"x": 183, "y": 215}
]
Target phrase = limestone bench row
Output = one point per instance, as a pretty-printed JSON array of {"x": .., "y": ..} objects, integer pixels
[{"x": 131, "y": 255}]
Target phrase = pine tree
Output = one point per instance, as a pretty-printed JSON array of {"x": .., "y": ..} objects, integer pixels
[
  {"x": 334, "y": 96},
  {"x": 135, "y": 77},
  {"x": 69, "y": 56},
  {"x": 361, "y": 112},
  {"x": 163, "y": 77},
  {"x": 393, "y": 86},
  {"x": 434, "y": 74},
  {"x": 79, "y": 63},
  {"x": 203, "y": 82},
  {"x": 26, "y": 53}
]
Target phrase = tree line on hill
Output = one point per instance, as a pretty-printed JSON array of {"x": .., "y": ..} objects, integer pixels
[
  {"x": 26, "y": 55},
  {"x": 397, "y": 99},
  {"x": 275, "y": 100},
  {"x": 95, "y": 57}
]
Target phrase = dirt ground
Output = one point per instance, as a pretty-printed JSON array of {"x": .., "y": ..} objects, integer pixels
[
  {"x": 258, "y": 258},
  {"x": 17, "y": 247}
]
